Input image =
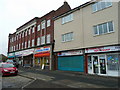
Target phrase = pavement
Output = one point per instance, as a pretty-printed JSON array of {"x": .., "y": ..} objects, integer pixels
[{"x": 66, "y": 79}]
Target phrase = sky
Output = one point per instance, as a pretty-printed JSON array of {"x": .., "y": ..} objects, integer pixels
[{"x": 14, "y": 13}]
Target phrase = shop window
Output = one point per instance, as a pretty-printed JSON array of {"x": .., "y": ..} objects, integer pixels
[
  {"x": 89, "y": 63},
  {"x": 113, "y": 63}
]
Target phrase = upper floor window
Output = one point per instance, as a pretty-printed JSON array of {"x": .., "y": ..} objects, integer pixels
[
  {"x": 43, "y": 24},
  {"x": 33, "y": 43},
  {"x": 26, "y": 33},
  {"x": 23, "y": 34},
  {"x": 48, "y": 23},
  {"x": 103, "y": 28},
  {"x": 38, "y": 27},
  {"x": 33, "y": 29},
  {"x": 48, "y": 38},
  {"x": 28, "y": 43},
  {"x": 67, "y": 18},
  {"x": 29, "y": 31},
  {"x": 101, "y": 5},
  {"x": 67, "y": 37},
  {"x": 38, "y": 41},
  {"x": 43, "y": 40},
  {"x": 25, "y": 44}
]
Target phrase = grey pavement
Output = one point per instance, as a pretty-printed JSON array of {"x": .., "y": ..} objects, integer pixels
[{"x": 66, "y": 79}]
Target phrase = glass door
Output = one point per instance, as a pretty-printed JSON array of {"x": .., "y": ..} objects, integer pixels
[
  {"x": 102, "y": 61},
  {"x": 95, "y": 60}
]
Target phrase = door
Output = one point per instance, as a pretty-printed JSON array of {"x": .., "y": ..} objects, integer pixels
[
  {"x": 102, "y": 64},
  {"x": 95, "y": 60},
  {"x": 99, "y": 64}
]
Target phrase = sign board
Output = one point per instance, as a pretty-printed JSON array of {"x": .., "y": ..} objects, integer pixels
[
  {"x": 103, "y": 49},
  {"x": 69, "y": 53},
  {"x": 42, "y": 50},
  {"x": 24, "y": 52}
]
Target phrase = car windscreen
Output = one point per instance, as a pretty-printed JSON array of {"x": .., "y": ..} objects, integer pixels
[{"x": 8, "y": 65}]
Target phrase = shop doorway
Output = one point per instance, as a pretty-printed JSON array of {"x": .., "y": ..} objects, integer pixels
[{"x": 99, "y": 64}]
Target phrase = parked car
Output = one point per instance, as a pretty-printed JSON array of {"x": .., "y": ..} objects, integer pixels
[{"x": 8, "y": 69}]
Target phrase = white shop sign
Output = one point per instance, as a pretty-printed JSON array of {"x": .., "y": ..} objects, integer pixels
[
  {"x": 103, "y": 49},
  {"x": 69, "y": 53},
  {"x": 24, "y": 53}
]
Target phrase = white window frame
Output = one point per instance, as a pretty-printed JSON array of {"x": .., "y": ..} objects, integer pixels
[
  {"x": 67, "y": 18},
  {"x": 67, "y": 37},
  {"x": 42, "y": 40},
  {"x": 33, "y": 29},
  {"x": 95, "y": 5},
  {"x": 38, "y": 41},
  {"x": 43, "y": 24},
  {"x": 48, "y": 23},
  {"x": 38, "y": 27},
  {"x": 33, "y": 42},
  {"x": 48, "y": 38},
  {"x": 28, "y": 43},
  {"x": 103, "y": 28}
]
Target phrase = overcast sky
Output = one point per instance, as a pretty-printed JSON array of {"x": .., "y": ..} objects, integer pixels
[{"x": 14, "y": 13}]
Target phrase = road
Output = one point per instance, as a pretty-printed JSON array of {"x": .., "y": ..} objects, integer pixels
[{"x": 14, "y": 81}]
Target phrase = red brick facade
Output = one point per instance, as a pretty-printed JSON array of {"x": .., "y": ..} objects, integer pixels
[{"x": 20, "y": 39}]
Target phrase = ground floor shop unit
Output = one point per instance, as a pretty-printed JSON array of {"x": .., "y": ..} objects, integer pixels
[
  {"x": 103, "y": 60},
  {"x": 42, "y": 57},
  {"x": 71, "y": 61}
]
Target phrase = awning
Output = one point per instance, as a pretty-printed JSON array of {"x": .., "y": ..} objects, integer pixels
[{"x": 46, "y": 54}]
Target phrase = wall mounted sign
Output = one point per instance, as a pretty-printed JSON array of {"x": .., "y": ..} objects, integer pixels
[
  {"x": 69, "y": 53},
  {"x": 103, "y": 49}
]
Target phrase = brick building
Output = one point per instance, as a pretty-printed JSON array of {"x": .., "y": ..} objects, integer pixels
[{"x": 32, "y": 43}]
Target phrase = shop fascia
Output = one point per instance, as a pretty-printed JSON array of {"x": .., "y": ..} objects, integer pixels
[
  {"x": 103, "y": 49},
  {"x": 69, "y": 53},
  {"x": 24, "y": 53}
]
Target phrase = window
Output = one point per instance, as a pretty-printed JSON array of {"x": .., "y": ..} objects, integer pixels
[
  {"x": 29, "y": 31},
  {"x": 43, "y": 24},
  {"x": 26, "y": 33},
  {"x": 48, "y": 38},
  {"x": 19, "y": 46},
  {"x": 101, "y": 5},
  {"x": 67, "y": 18},
  {"x": 103, "y": 28},
  {"x": 25, "y": 44},
  {"x": 110, "y": 26},
  {"x": 38, "y": 41},
  {"x": 96, "y": 30},
  {"x": 22, "y": 45},
  {"x": 43, "y": 40},
  {"x": 67, "y": 37},
  {"x": 33, "y": 29},
  {"x": 33, "y": 43},
  {"x": 113, "y": 63},
  {"x": 38, "y": 27},
  {"x": 28, "y": 43},
  {"x": 48, "y": 23},
  {"x": 23, "y": 34}
]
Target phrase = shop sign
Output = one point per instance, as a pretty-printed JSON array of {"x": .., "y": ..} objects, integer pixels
[
  {"x": 103, "y": 49},
  {"x": 27, "y": 52},
  {"x": 42, "y": 50},
  {"x": 11, "y": 54},
  {"x": 24, "y": 53},
  {"x": 69, "y": 53}
]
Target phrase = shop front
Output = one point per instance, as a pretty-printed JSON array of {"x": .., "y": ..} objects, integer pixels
[
  {"x": 25, "y": 57},
  {"x": 71, "y": 61},
  {"x": 42, "y": 57},
  {"x": 103, "y": 60},
  {"x": 11, "y": 56}
]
